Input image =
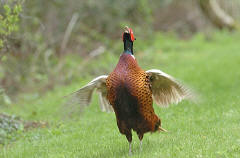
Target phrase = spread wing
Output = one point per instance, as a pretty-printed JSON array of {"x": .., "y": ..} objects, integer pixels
[
  {"x": 166, "y": 89},
  {"x": 83, "y": 96}
]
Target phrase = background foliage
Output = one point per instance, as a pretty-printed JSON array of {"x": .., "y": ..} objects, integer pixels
[{"x": 8, "y": 21}]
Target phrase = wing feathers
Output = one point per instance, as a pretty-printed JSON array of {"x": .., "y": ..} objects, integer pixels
[
  {"x": 166, "y": 89},
  {"x": 83, "y": 96}
]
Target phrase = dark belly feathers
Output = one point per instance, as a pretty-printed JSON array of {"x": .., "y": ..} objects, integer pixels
[{"x": 126, "y": 107}]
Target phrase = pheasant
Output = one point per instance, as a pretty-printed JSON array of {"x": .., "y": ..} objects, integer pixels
[{"x": 129, "y": 91}]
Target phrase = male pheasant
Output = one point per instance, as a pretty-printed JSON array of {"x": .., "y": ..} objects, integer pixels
[{"x": 130, "y": 92}]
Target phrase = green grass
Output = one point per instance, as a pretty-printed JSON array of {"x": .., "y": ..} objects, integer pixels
[{"x": 210, "y": 128}]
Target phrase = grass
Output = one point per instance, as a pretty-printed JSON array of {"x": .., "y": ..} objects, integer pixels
[{"x": 209, "y": 128}]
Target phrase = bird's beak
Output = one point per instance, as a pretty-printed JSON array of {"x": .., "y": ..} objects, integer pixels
[
  {"x": 126, "y": 29},
  {"x": 162, "y": 129}
]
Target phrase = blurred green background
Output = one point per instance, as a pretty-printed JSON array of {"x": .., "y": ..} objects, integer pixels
[{"x": 49, "y": 49}]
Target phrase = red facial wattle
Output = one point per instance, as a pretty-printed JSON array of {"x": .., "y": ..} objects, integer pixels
[{"x": 131, "y": 34}]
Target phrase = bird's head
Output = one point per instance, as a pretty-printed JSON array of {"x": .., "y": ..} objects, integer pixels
[
  {"x": 128, "y": 39},
  {"x": 128, "y": 34}
]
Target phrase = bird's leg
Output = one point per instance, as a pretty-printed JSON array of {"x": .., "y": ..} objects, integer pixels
[
  {"x": 140, "y": 145},
  {"x": 129, "y": 138},
  {"x": 130, "y": 148},
  {"x": 140, "y": 136}
]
